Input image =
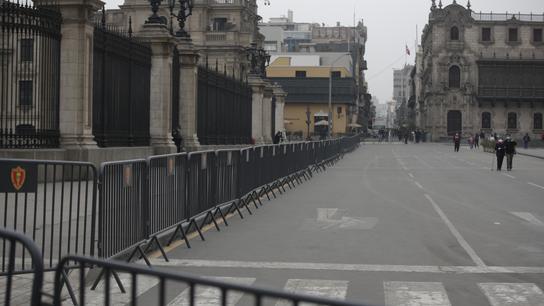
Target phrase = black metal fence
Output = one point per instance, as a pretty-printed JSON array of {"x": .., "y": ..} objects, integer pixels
[
  {"x": 53, "y": 203},
  {"x": 169, "y": 283},
  {"x": 224, "y": 107},
  {"x": 30, "y": 75},
  {"x": 19, "y": 243},
  {"x": 121, "y": 88}
]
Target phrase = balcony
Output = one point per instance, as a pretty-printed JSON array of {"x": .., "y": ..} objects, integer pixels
[{"x": 513, "y": 94}]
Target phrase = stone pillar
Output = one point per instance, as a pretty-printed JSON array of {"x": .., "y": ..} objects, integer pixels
[
  {"x": 76, "y": 73},
  {"x": 267, "y": 113},
  {"x": 257, "y": 87},
  {"x": 188, "y": 90},
  {"x": 280, "y": 95},
  {"x": 160, "y": 125}
]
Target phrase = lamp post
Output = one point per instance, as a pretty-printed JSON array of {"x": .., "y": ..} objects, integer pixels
[
  {"x": 258, "y": 58},
  {"x": 154, "y": 18},
  {"x": 330, "y": 91},
  {"x": 185, "y": 10},
  {"x": 308, "y": 121}
]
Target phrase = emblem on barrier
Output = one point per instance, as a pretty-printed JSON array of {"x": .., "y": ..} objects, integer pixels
[
  {"x": 171, "y": 165},
  {"x": 127, "y": 175},
  {"x": 18, "y": 177}
]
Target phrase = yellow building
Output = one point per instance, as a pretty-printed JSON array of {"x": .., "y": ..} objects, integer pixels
[{"x": 305, "y": 78}]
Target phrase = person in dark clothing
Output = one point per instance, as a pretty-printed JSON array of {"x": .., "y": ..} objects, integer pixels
[
  {"x": 277, "y": 137},
  {"x": 526, "y": 140},
  {"x": 509, "y": 150},
  {"x": 456, "y": 142},
  {"x": 476, "y": 140},
  {"x": 500, "y": 152}
]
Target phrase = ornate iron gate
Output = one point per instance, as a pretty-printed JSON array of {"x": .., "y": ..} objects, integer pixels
[
  {"x": 30, "y": 75},
  {"x": 224, "y": 107},
  {"x": 121, "y": 90}
]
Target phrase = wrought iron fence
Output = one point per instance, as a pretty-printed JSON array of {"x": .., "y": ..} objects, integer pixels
[
  {"x": 224, "y": 107},
  {"x": 30, "y": 75},
  {"x": 121, "y": 88}
]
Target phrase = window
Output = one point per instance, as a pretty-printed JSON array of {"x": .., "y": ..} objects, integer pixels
[
  {"x": 486, "y": 34},
  {"x": 513, "y": 35},
  {"x": 455, "y": 77},
  {"x": 27, "y": 47},
  {"x": 512, "y": 121},
  {"x": 219, "y": 24},
  {"x": 300, "y": 74},
  {"x": 537, "y": 35},
  {"x": 25, "y": 93},
  {"x": 537, "y": 121},
  {"x": 486, "y": 120},
  {"x": 336, "y": 74},
  {"x": 454, "y": 33}
]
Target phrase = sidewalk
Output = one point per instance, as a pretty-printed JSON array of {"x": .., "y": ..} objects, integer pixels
[{"x": 533, "y": 152}]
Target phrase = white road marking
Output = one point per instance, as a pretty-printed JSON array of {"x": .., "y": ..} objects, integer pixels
[
  {"x": 415, "y": 294},
  {"x": 508, "y": 175},
  {"x": 426, "y": 164},
  {"x": 96, "y": 297},
  {"x": 334, "y": 289},
  {"x": 519, "y": 294},
  {"x": 418, "y": 184},
  {"x": 411, "y": 175},
  {"x": 211, "y": 296},
  {"x": 538, "y": 186},
  {"x": 529, "y": 217},
  {"x": 333, "y": 218},
  {"x": 199, "y": 263},
  {"x": 470, "y": 251}
]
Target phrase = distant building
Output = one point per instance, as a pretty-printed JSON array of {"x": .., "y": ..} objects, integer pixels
[
  {"x": 481, "y": 72},
  {"x": 305, "y": 78}
]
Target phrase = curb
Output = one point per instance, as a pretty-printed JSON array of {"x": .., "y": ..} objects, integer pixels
[{"x": 531, "y": 155}]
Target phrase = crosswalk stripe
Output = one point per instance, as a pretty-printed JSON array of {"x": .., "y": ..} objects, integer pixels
[
  {"x": 527, "y": 217},
  {"x": 210, "y": 296},
  {"x": 334, "y": 289},
  {"x": 116, "y": 296},
  {"x": 506, "y": 294},
  {"x": 415, "y": 294}
]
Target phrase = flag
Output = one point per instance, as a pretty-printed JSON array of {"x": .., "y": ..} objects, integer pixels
[{"x": 407, "y": 50}]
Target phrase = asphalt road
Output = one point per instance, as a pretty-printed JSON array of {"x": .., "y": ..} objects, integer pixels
[{"x": 390, "y": 225}]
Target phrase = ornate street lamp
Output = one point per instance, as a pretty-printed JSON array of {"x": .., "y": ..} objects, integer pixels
[
  {"x": 185, "y": 10},
  {"x": 155, "y": 8}
]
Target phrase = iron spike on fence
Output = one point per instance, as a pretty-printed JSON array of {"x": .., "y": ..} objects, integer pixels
[
  {"x": 103, "y": 19},
  {"x": 130, "y": 26}
]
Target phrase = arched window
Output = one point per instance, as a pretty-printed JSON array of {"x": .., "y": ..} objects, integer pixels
[
  {"x": 454, "y": 33},
  {"x": 486, "y": 120},
  {"x": 537, "y": 121},
  {"x": 512, "y": 121},
  {"x": 455, "y": 77}
]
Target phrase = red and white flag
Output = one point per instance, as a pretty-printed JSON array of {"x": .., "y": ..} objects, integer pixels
[{"x": 407, "y": 50}]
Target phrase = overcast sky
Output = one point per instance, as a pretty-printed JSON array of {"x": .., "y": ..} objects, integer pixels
[{"x": 391, "y": 25}]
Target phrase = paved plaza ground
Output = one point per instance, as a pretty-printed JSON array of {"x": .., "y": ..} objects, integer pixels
[{"x": 390, "y": 224}]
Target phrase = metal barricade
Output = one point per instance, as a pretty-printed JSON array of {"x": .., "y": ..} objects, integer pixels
[
  {"x": 201, "y": 189},
  {"x": 51, "y": 202},
  {"x": 18, "y": 245},
  {"x": 228, "y": 170},
  {"x": 167, "y": 197},
  {"x": 123, "y": 213},
  {"x": 170, "y": 285}
]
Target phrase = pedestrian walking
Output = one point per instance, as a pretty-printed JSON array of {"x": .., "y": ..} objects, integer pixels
[
  {"x": 456, "y": 142},
  {"x": 471, "y": 142},
  {"x": 510, "y": 150},
  {"x": 526, "y": 140},
  {"x": 476, "y": 141},
  {"x": 500, "y": 152}
]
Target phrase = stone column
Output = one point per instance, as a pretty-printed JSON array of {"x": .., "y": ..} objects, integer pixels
[
  {"x": 76, "y": 73},
  {"x": 188, "y": 90},
  {"x": 267, "y": 113},
  {"x": 160, "y": 125},
  {"x": 280, "y": 107},
  {"x": 257, "y": 87}
]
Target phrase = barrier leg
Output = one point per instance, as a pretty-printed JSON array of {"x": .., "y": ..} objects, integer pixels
[
  {"x": 117, "y": 280},
  {"x": 218, "y": 210},
  {"x": 212, "y": 219},
  {"x": 235, "y": 205},
  {"x": 183, "y": 236},
  {"x": 159, "y": 245},
  {"x": 193, "y": 222},
  {"x": 138, "y": 249},
  {"x": 258, "y": 197}
]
